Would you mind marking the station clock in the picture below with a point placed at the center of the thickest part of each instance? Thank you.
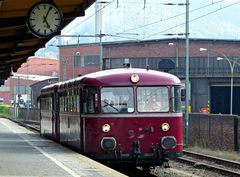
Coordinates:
(44, 19)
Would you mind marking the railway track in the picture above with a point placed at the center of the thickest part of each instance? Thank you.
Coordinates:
(135, 172)
(218, 165)
(32, 126)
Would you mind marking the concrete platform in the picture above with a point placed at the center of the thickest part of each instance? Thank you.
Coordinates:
(25, 153)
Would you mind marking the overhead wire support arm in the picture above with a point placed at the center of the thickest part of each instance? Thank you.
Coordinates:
(78, 35)
(173, 4)
(173, 34)
(86, 35)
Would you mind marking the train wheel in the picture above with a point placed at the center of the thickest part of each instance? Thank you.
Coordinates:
(146, 169)
(166, 164)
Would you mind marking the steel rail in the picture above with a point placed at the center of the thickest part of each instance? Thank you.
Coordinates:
(217, 160)
(204, 165)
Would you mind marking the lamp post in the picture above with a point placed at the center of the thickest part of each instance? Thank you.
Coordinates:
(75, 58)
(232, 64)
(64, 63)
(208, 57)
(173, 44)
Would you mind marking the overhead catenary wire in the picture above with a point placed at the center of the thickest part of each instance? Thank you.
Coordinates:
(166, 30)
(194, 19)
(169, 18)
(172, 17)
(149, 24)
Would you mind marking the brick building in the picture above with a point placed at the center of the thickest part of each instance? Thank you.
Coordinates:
(34, 70)
(209, 77)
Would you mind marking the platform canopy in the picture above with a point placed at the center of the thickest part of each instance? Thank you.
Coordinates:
(17, 43)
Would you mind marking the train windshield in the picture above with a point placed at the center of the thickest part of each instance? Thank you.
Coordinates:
(117, 100)
(152, 99)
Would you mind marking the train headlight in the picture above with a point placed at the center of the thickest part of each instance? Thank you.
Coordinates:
(168, 142)
(108, 143)
(106, 128)
(134, 78)
(165, 127)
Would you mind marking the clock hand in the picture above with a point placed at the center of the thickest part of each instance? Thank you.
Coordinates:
(48, 11)
(48, 26)
(45, 18)
(45, 21)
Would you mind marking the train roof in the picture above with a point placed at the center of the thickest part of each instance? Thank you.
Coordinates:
(122, 77)
(51, 87)
(117, 77)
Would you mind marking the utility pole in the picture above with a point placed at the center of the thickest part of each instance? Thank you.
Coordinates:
(59, 60)
(100, 51)
(98, 30)
(187, 74)
(28, 95)
(18, 95)
(98, 19)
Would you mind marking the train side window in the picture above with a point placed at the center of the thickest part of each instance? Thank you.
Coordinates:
(74, 103)
(42, 103)
(176, 100)
(46, 103)
(77, 100)
(65, 103)
(61, 103)
(90, 103)
(50, 104)
(78, 105)
(69, 101)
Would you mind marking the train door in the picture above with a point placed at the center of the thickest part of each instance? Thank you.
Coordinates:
(89, 108)
(55, 118)
(80, 101)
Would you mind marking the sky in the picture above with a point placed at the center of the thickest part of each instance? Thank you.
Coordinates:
(136, 20)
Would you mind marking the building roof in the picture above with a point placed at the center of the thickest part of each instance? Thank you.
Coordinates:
(150, 41)
(16, 41)
(39, 66)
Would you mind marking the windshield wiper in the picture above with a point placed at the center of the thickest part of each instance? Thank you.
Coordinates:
(107, 104)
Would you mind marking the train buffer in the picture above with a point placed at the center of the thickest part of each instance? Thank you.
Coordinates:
(25, 153)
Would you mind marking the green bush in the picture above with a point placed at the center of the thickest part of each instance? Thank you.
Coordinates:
(4, 110)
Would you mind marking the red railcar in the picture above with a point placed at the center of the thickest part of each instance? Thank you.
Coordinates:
(119, 116)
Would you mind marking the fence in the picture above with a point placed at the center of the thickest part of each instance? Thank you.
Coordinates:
(214, 131)
(27, 114)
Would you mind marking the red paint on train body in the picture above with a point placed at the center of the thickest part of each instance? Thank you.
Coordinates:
(127, 130)
(119, 116)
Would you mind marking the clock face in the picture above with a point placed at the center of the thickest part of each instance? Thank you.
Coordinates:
(44, 19)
